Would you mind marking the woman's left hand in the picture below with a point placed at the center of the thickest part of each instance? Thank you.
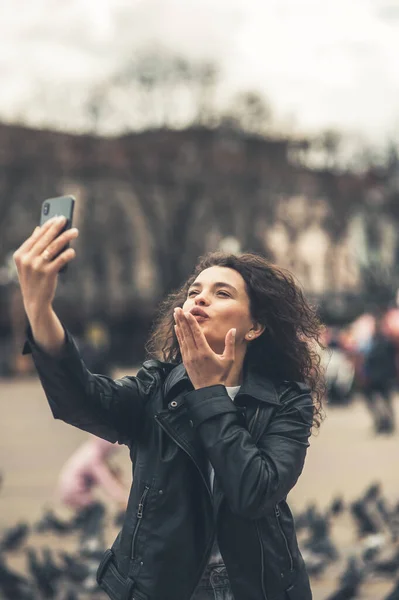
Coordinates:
(204, 367)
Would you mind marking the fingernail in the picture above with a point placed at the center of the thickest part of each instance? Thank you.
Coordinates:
(61, 219)
(233, 332)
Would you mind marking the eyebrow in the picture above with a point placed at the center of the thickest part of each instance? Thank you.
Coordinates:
(218, 284)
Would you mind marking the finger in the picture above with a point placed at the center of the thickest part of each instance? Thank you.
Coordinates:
(50, 222)
(47, 234)
(180, 342)
(185, 329)
(57, 263)
(197, 333)
(59, 244)
(180, 337)
(230, 345)
(27, 245)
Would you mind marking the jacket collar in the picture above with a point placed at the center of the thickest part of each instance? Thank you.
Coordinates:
(255, 384)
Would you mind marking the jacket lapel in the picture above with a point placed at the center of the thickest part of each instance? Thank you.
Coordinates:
(175, 422)
(174, 419)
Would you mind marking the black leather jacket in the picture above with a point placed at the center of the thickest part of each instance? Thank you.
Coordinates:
(257, 446)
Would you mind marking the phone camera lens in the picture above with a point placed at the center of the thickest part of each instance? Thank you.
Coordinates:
(46, 208)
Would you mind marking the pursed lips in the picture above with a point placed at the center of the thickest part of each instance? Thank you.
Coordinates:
(198, 312)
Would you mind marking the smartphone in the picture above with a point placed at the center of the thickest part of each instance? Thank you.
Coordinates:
(56, 207)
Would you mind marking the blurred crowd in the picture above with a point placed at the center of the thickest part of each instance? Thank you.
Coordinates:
(363, 357)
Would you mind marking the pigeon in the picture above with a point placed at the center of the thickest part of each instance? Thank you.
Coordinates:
(383, 510)
(365, 522)
(369, 554)
(53, 571)
(337, 506)
(44, 579)
(315, 564)
(12, 585)
(350, 581)
(14, 537)
(389, 518)
(372, 492)
(388, 566)
(303, 520)
(90, 522)
(50, 522)
(90, 519)
(75, 570)
(320, 541)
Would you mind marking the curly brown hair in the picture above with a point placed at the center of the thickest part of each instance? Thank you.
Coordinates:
(288, 349)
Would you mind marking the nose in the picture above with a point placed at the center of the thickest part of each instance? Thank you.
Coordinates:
(201, 299)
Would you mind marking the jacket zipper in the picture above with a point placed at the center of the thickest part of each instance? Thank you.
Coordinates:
(209, 549)
(262, 558)
(277, 513)
(139, 515)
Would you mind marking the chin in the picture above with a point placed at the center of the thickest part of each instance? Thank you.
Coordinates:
(217, 345)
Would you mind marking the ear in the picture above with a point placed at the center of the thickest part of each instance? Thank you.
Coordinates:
(256, 330)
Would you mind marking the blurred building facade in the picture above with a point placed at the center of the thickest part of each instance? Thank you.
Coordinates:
(148, 204)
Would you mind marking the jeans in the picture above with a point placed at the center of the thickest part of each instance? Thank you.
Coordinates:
(214, 585)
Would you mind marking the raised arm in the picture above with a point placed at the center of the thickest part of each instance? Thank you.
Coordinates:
(113, 410)
(38, 266)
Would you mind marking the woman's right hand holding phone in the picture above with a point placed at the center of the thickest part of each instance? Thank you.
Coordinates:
(38, 266)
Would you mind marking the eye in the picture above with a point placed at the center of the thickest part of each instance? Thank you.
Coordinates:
(191, 292)
(225, 294)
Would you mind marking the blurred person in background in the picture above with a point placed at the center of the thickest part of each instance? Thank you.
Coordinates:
(339, 369)
(218, 430)
(380, 374)
(355, 339)
(87, 470)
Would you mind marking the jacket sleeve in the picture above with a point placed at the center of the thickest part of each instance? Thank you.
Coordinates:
(253, 476)
(110, 409)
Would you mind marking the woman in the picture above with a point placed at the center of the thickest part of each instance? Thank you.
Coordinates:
(217, 431)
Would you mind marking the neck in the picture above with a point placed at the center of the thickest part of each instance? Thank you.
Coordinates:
(236, 375)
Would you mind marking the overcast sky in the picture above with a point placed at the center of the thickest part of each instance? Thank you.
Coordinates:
(321, 63)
